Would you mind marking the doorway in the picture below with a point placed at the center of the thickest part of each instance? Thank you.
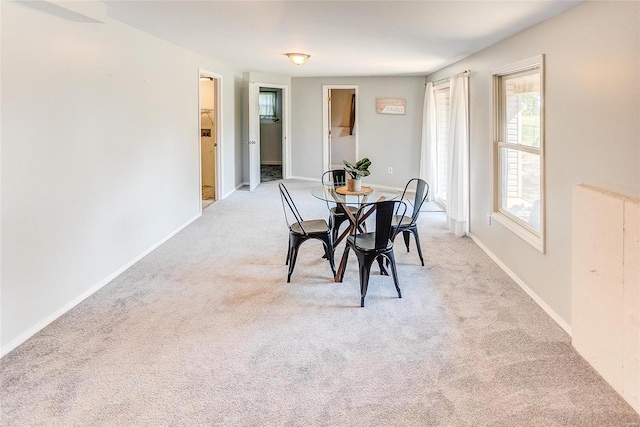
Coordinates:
(340, 136)
(270, 134)
(268, 112)
(209, 136)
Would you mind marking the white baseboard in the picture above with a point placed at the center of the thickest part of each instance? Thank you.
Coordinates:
(77, 300)
(564, 325)
(304, 178)
(387, 187)
(378, 186)
(271, 162)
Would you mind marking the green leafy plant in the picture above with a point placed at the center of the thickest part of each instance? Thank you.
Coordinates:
(360, 169)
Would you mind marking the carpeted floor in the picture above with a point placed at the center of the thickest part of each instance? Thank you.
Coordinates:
(206, 331)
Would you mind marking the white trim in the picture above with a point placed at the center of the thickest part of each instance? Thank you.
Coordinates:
(77, 300)
(519, 230)
(564, 325)
(376, 186)
(230, 192)
(304, 178)
(514, 67)
(388, 187)
(441, 84)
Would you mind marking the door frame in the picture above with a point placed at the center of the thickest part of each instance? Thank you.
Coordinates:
(286, 123)
(218, 136)
(326, 122)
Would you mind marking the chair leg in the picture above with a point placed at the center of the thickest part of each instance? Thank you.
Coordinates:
(292, 263)
(345, 257)
(328, 252)
(335, 230)
(383, 271)
(364, 263)
(394, 272)
(295, 244)
(331, 227)
(405, 235)
(288, 252)
(415, 234)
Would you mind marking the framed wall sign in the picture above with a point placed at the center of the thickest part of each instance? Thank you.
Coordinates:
(390, 105)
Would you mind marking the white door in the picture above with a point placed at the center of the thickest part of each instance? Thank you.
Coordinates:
(254, 136)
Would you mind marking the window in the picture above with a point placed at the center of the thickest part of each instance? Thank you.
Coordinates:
(519, 145)
(442, 95)
(267, 101)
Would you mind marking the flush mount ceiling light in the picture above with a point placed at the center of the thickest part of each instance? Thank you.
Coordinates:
(298, 58)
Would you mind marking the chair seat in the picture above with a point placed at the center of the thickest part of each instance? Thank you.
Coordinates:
(367, 242)
(314, 226)
(400, 220)
(337, 211)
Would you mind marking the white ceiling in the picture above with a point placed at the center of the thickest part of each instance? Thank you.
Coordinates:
(344, 38)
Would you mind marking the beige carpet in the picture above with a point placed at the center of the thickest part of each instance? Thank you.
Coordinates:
(206, 331)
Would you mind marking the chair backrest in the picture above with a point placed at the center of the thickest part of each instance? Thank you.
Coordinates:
(384, 212)
(336, 177)
(289, 208)
(421, 190)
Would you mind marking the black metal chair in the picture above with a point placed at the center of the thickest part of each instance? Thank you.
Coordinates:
(337, 216)
(300, 231)
(406, 224)
(369, 246)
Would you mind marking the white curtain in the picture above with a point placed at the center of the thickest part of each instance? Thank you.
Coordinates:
(267, 101)
(458, 171)
(428, 151)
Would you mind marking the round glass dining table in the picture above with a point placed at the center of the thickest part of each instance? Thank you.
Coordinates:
(342, 196)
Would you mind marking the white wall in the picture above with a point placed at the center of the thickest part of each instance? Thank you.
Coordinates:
(100, 156)
(270, 142)
(592, 131)
(388, 140)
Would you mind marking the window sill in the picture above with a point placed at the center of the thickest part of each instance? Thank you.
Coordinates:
(526, 235)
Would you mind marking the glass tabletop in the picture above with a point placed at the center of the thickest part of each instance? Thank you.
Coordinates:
(341, 195)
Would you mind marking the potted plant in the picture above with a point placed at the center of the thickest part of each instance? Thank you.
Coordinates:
(356, 172)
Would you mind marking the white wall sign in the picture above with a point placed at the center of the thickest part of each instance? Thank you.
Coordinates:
(390, 105)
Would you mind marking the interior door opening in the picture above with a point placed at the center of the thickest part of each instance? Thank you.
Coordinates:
(271, 165)
(208, 138)
(267, 144)
(340, 139)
